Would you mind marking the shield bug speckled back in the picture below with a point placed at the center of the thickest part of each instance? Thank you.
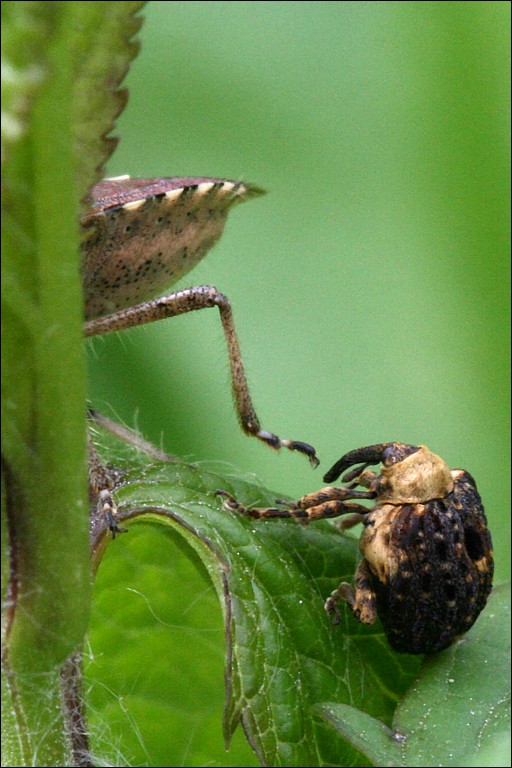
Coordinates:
(140, 237)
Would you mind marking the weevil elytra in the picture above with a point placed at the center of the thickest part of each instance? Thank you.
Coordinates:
(427, 562)
(140, 237)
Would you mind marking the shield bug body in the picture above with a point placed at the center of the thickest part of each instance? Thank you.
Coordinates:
(142, 235)
(427, 560)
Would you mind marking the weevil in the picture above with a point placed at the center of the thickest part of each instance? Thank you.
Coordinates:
(140, 237)
(427, 561)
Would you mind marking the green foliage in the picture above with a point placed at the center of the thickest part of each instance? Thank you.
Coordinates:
(284, 659)
(455, 709)
(102, 40)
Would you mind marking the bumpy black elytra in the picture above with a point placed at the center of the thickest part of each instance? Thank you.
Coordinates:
(427, 562)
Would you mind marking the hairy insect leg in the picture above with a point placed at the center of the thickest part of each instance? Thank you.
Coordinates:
(101, 485)
(334, 506)
(361, 599)
(349, 522)
(190, 300)
(332, 502)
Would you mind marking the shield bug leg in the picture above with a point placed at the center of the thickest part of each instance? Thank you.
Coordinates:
(190, 300)
(101, 478)
(140, 237)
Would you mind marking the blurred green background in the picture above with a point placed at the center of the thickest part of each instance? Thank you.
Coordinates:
(370, 286)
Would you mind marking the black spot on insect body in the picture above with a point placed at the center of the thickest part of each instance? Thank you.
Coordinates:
(474, 543)
(441, 548)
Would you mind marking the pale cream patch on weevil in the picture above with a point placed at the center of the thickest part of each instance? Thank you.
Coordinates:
(374, 542)
(482, 565)
(124, 177)
(417, 478)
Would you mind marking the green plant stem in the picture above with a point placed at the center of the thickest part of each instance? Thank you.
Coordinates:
(45, 447)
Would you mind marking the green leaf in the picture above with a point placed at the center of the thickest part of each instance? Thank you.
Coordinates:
(102, 39)
(457, 706)
(283, 655)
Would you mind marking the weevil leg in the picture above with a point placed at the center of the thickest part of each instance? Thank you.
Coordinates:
(361, 599)
(333, 493)
(102, 479)
(230, 504)
(343, 594)
(101, 485)
(190, 300)
(322, 511)
(349, 522)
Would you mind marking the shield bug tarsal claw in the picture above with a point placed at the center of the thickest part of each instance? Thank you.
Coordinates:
(427, 562)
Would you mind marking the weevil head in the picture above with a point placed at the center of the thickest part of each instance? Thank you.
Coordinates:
(412, 475)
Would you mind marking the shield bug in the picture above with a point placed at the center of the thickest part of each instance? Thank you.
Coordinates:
(427, 562)
(141, 236)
